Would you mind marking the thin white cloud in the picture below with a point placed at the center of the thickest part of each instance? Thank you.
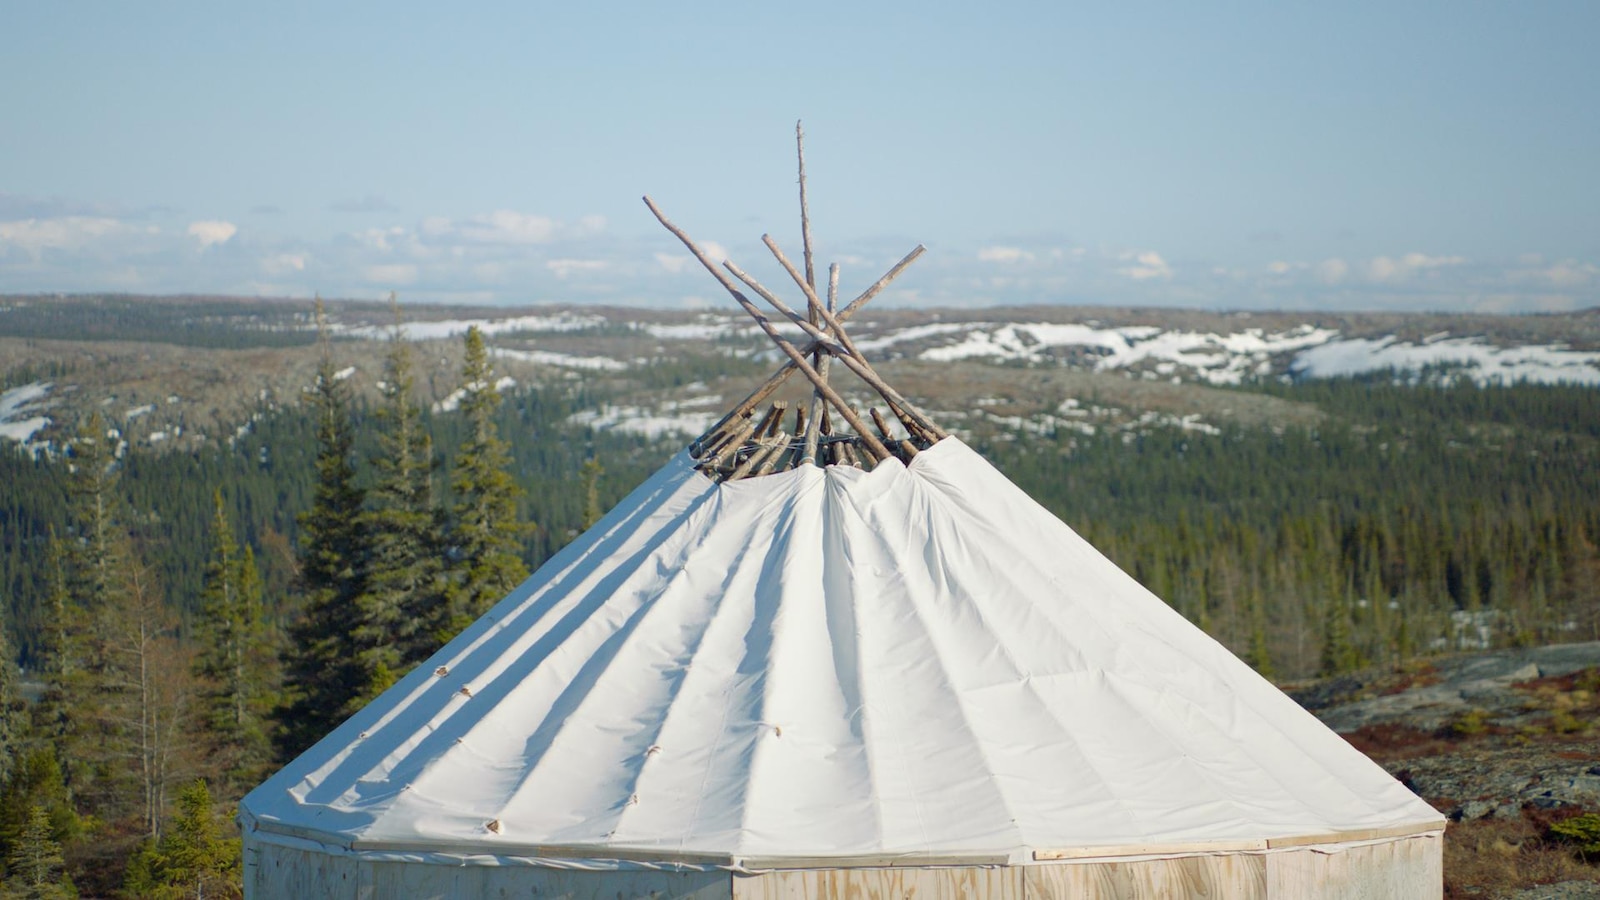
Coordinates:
(1570, 273)
(565, 267)
(1004, 254)
(504, 226)
(1384, 268)
(64, 233)
(1146, 265)
(284, 263)
(1332, 271)
(212, 232)
(674, 262)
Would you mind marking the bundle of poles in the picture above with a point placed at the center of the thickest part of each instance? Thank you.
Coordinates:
(742, 445)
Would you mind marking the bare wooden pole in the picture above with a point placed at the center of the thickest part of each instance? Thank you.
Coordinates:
(906, 447)
(776, 460)
(805, 211)
(809, 455)
(730, 447)
(773, 412)
(852, 357)
(777, 379)
(795, 356)
(765, 448)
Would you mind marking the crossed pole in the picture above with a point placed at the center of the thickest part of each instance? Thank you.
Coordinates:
(823, 323)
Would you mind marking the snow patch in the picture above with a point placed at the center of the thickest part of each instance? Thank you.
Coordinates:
(1477, 358)
(565, 360)
(694, 331)
(1214, 358)
(17, 408)
(445, 328)
(670, 419)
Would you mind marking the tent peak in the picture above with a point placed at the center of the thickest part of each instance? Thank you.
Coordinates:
(741, 445)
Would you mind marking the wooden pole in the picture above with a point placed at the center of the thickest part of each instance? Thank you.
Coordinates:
(809, 455)
(776, 460)
(805, 212)
(850, 356)
(906, 447)
(897, 403)
(773, 412)
(872, 444)
(730, 446)
(777, 379)
(764, 448)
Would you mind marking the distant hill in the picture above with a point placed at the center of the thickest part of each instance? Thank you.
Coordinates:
(183, 371)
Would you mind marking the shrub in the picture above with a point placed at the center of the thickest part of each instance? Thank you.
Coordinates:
(1584, 831)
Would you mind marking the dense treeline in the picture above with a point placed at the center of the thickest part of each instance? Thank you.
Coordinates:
(1413, 519)
(190, 322)
(205, 616)
(191, 621)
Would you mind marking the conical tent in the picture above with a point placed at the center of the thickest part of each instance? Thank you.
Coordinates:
(779, 678)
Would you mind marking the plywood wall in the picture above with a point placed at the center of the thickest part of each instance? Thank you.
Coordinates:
(1408, 868)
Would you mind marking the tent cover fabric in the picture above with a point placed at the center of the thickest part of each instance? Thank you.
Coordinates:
(913, 663)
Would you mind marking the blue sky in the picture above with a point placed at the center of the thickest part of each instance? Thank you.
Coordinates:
(1283, 155)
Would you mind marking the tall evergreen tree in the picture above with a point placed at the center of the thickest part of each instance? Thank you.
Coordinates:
(591, 492)
(85, 679)
(324, 673)
(13, 714)
(192, 858)
(234, 658)
(404, 579)
(487, 536)
(36, 782)
(35, 862)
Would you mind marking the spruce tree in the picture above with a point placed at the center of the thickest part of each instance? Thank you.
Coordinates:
(86, 678)
(1339, 654)
(234, 657)
(191, 859)
(35, 862)
(404, 579)
(324, 675)
(13, 713)
(36, 782)
(487, 536)
(591, 492)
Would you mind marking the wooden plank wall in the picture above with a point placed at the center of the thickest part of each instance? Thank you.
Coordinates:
(282, 873)
(1411, 868)
(1189, 877)
(882, 884)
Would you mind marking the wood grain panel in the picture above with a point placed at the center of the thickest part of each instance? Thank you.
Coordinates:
(1412, 868)
(1191, 878)
(996, 883)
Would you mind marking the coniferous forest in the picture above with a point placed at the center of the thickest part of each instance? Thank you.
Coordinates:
(182, 623)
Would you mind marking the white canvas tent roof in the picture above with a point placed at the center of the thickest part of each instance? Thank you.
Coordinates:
(916, 663)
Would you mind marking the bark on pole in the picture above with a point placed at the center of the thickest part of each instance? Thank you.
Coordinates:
(876, 448)
(805, 212)
(785, 371)
(813, 431)
(902, 408)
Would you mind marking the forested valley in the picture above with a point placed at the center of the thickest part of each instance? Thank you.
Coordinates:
(179, 624)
